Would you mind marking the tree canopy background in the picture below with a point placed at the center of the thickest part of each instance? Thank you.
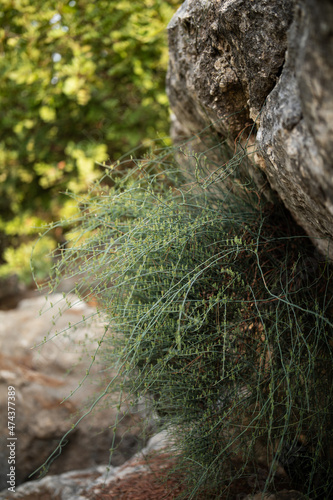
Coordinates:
(81, 82)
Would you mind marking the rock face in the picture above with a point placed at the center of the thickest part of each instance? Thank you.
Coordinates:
(225, 57)
(296, 126)
(236, 62)
(43, 377)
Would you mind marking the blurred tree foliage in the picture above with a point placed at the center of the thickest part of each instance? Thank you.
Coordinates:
(81, 81)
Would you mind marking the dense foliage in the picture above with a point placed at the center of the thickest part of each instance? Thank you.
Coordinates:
(220, 314)
(81, 81)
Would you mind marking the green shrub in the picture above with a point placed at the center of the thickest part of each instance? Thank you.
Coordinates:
(220, 313)
(80, 81)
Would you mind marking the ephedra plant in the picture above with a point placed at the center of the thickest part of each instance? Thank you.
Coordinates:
(219, 313)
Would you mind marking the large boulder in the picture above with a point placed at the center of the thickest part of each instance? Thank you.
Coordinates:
(264, 66)
(44, 376)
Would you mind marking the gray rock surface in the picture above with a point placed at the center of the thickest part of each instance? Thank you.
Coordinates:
(296, 125)
(233, 59)
(225, 57)
(44, 376)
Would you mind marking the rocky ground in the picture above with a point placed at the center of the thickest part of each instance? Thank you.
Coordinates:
(43, 376)
(147, 476)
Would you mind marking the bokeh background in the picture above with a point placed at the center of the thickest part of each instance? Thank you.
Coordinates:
(82, 84)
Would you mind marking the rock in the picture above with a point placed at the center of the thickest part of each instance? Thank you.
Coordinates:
(146, 476)
(225, 57)
(43, 377)
(296, 125)
(264, 66)
(10, 290)
(138, 474)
